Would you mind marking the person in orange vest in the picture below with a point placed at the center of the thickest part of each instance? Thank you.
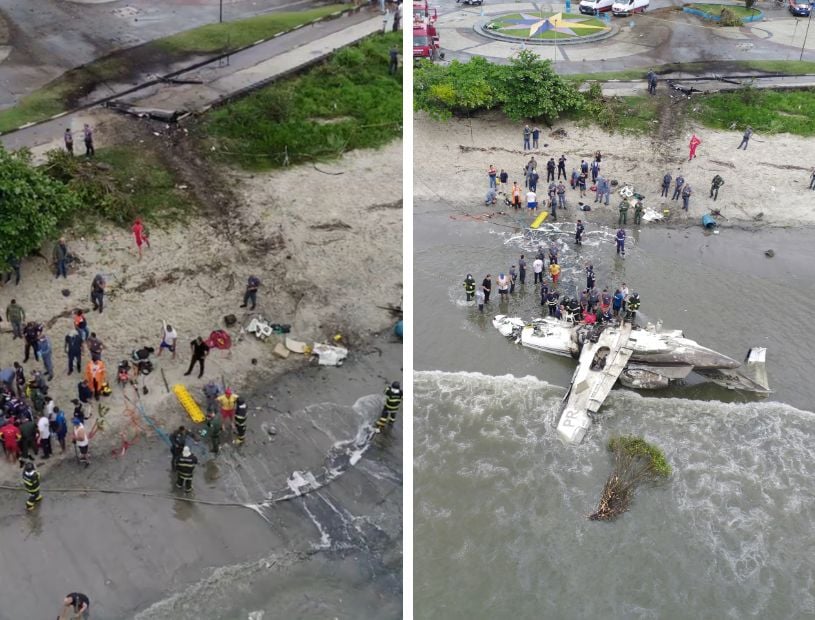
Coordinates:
(97, 376)
(228, 402)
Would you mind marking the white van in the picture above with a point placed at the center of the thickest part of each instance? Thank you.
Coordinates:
(627, 7)
(593, 7)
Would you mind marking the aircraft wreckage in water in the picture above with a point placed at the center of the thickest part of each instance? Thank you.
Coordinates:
(640, 357)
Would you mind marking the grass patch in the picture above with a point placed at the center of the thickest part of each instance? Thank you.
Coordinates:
(582, 28)
(715, 9)
(64, 92)
(120, 184)
(214, 38)
(617, 114)
(766, 111)
(349, 102)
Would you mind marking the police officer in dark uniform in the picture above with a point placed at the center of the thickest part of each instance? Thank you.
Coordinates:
(632, 306)
(469, 287)
(184, 467)
(575, 310)
(241, 411)
(590, 279)
(393, 400)
(551, 302)
(578, 232)
(544, 294)
(31, 483)
(178, 441)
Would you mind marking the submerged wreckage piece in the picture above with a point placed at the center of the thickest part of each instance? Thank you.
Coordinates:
(640, 357)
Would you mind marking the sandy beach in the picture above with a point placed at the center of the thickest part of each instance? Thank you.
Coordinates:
(324, 240)
(765, 185)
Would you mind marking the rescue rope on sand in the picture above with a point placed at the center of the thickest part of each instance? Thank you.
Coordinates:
(189, 404)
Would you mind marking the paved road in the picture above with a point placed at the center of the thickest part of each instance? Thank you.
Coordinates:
(253, 66)
(48, 37)
(660, 36)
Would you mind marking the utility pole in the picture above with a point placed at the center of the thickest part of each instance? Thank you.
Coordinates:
(806, 34)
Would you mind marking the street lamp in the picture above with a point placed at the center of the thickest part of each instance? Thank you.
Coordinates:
(806, 34)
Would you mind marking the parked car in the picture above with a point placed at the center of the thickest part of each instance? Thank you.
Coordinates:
(628, 7)
(593, 7)
(798, 8)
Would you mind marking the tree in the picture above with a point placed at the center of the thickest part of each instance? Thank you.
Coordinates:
(531, 89)
(32, 205)
(635, 462)
(456, 89)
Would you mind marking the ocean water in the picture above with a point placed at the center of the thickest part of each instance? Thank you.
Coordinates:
(501, 505)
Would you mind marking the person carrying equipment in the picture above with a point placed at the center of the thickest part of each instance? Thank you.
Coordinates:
(241, 413)
(393, 400)
(31, 483)
(184, 469)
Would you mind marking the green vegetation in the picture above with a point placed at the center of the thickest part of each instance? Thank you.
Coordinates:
(528, 87)
(62, 93)
(218, 38)
(32, 205)
(623, 114)
(349, 102)
(582, 28)
(766, 111)
(119, 184)
(716, 9)
(635, 462)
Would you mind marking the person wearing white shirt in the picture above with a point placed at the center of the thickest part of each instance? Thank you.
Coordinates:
(44, 431)
(537, 268)
(532, 200)
(168, 339)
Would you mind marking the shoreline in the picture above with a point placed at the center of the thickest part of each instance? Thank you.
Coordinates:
(463, 149)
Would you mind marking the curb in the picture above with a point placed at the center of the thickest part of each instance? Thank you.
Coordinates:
(480, 28)
(192, 67)
(716, 18)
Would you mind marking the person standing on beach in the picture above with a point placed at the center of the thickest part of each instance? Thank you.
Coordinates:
(214, 427)
(532, 180)
(69, 141)
(31, 484)
(513, 277)
(718, 181)
(95, 347)
(623, 213)
(516, 195)
(88, 132)
(561, 167)
(531, 200)
(527, 134)
(503, 177)
(554, 272)
(140, 234)
(694, 144)
(96, 376)
(168, 339)
(745, 139)
(666, 184)
(185, 468)
(227, 403)
(522, 269)
(200, 350)
(15, 314)
(595, 171)
(492, 174)
(44, 435)
(680, 181)
(536, 134)
(46, 352)
(98, 292)
(241, 414)
(479, 299)
(31, 335)
(550, 170)
(561, 196)
(578, 232)
(81, 441)
(686, 192)
(60, 257)
(581, 184)
(251, 293)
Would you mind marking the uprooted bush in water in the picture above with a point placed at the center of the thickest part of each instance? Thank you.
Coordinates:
(636, 462)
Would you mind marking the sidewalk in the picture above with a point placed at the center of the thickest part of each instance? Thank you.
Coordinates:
(240, 72)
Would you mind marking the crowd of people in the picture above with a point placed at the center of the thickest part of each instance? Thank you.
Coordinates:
(592, 305)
